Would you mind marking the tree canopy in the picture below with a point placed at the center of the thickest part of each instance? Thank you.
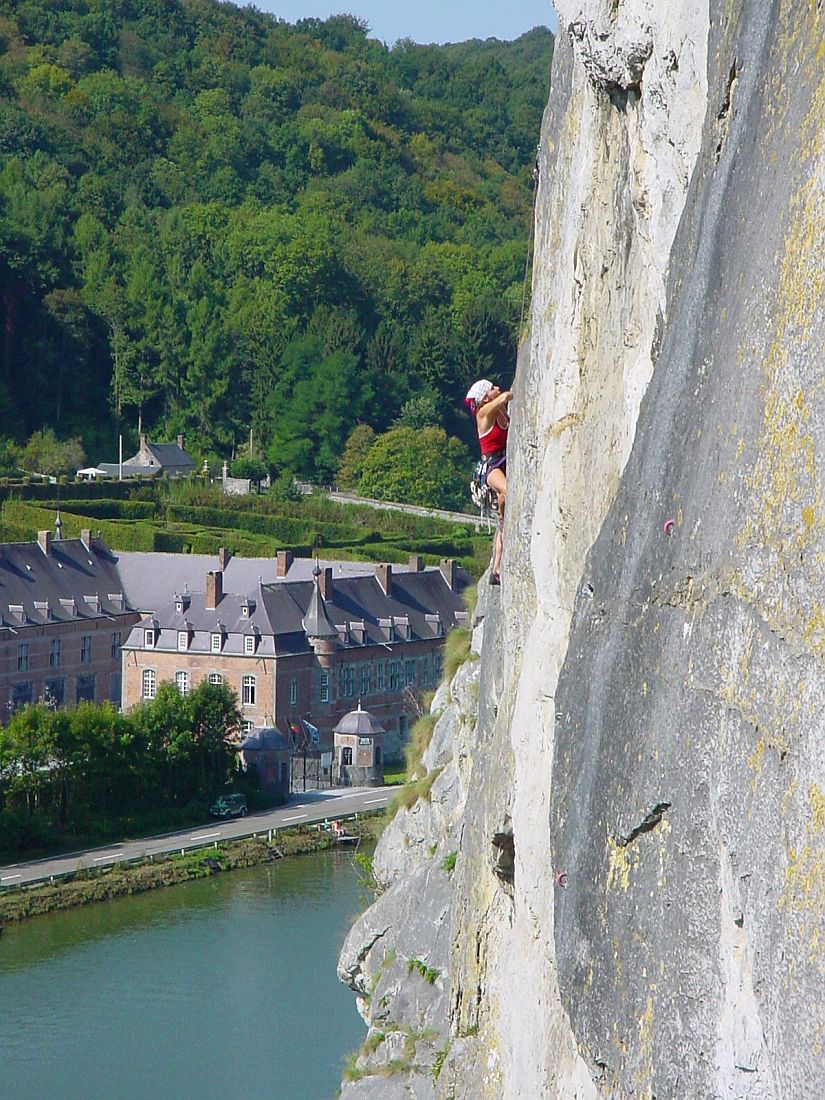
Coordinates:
(216, 221)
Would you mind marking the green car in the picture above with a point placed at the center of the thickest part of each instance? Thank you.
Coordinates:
(229, 805)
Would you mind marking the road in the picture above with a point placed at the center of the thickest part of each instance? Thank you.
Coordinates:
(475, 519)
(302, 809)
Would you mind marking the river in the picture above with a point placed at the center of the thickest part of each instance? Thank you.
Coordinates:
(223, 987)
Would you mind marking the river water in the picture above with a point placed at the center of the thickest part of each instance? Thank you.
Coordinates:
(224, 988)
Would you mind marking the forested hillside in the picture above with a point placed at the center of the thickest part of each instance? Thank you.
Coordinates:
(223, 223)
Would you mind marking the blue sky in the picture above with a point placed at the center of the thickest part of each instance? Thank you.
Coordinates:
(426, 20)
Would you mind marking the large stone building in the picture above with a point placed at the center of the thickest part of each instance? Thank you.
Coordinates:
(303, 649)
(63, 617)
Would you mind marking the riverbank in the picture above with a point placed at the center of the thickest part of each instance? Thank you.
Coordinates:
(87, 886)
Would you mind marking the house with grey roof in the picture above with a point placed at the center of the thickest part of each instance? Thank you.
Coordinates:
(304, 648)
(63, 617)
(151, 460)
(151, 578)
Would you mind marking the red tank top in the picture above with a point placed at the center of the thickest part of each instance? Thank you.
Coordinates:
(493, 441)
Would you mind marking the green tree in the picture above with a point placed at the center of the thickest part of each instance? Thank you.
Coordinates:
(351, 466)
(45, 454)
(253, 468)
(216, 723)
(420, 411)
(423, 467)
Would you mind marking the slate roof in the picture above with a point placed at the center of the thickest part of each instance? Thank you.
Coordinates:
(268, 740)
(71, 582)
(171, 456)
(151, 579)
(421, 606)
(359, 722)
(316, 622)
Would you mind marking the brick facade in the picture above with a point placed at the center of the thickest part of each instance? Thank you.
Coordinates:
(382, 643)
(63, 619)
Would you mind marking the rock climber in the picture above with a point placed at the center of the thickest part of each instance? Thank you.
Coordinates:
(488, 404)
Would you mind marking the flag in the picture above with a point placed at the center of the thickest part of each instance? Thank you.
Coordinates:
(294, 733)
(314, 733)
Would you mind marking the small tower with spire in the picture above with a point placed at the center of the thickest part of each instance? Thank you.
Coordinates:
(320, 630)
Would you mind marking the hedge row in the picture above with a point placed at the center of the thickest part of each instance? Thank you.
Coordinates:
(283, 530)
(111, 509)
(117, 534)
(79, 490)
(316, 508)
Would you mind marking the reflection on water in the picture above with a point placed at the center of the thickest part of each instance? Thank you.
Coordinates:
(221, 987)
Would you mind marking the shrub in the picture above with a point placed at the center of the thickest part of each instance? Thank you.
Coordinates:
(429, 975)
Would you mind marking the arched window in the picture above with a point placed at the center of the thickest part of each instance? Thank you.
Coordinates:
(150, 683)
(346, 756)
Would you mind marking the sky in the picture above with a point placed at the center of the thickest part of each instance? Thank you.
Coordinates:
(426, 20)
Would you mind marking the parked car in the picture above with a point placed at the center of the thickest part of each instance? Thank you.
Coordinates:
(229, 805)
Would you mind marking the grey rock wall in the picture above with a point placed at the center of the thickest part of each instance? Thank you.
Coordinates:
(637, 794)
(689, 764)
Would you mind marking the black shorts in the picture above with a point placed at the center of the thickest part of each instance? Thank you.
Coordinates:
(488, 463)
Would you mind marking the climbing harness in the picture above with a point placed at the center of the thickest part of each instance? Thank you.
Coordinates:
(484, 498)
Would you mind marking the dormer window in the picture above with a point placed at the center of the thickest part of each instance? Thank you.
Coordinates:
(149, 638)
(402, 628)
(436, 625)
(249, 643)
(245, 610)
(217, 642)
(182, 603)
(183, 639)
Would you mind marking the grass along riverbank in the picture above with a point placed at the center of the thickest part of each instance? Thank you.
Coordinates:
(86, 886)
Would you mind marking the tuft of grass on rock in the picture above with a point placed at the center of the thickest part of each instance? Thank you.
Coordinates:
(411, 792)
(456, 650)
(419, 740)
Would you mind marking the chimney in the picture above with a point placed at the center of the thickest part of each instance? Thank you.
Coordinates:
(449, 572)
(384, 574)
(224, 554)
(180, 441)
(44, 541)
(325, 583)
(284, 561)
(86, 537)
(416, 563)
(214, 589)
(143, 441)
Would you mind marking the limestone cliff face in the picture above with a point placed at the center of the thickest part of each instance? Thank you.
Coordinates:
(651, 681)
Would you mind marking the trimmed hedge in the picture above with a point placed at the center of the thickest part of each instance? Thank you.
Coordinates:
(117, 534)
(111, 509)
(79, 490)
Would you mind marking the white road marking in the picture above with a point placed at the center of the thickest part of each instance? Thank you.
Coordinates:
(8, 878)
(111, 855)
(204, 836)
(372, 801)
(300, 818)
